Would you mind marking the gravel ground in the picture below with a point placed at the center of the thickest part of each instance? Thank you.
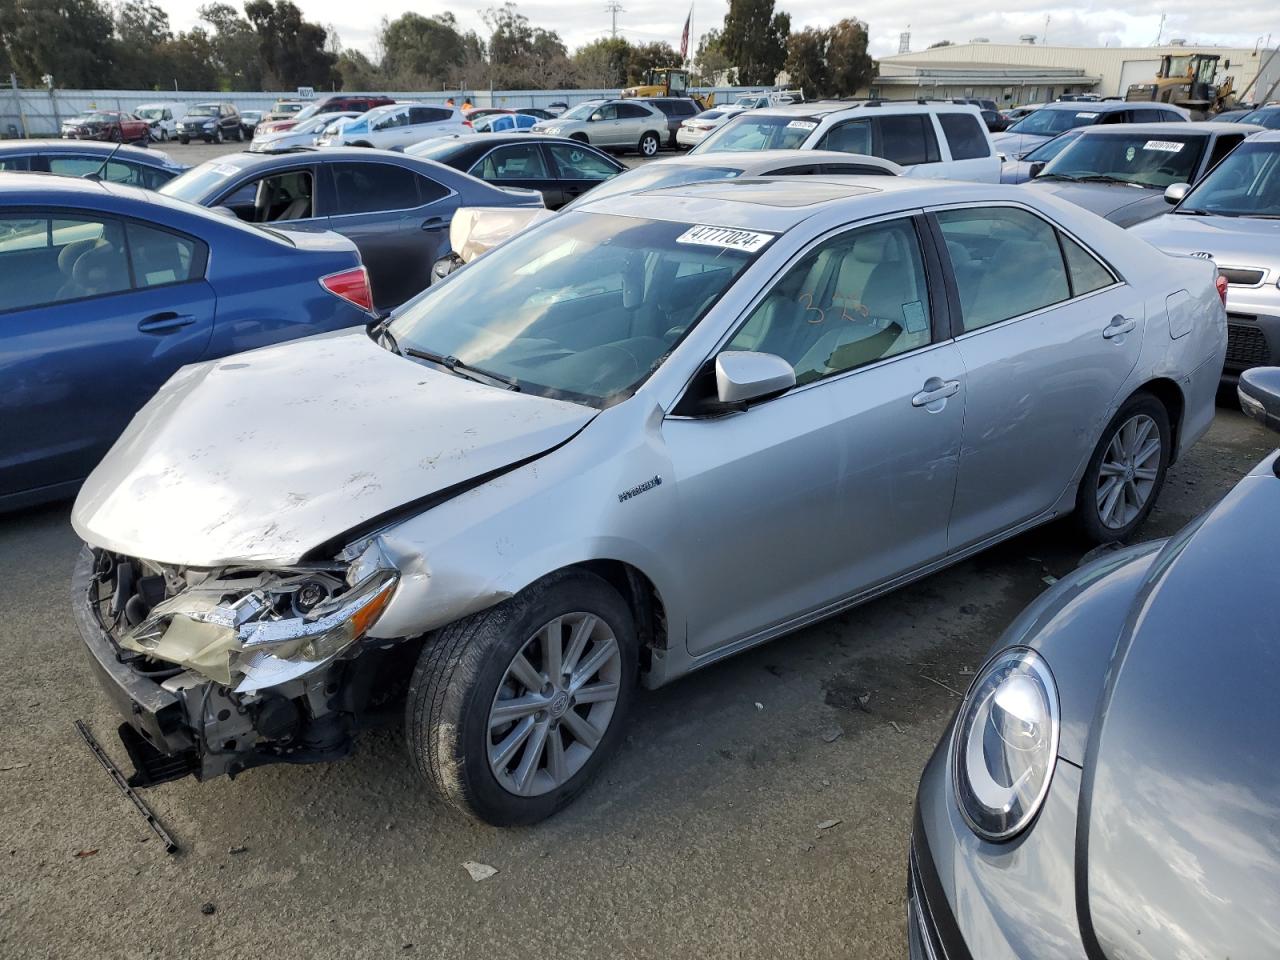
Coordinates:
(701, 839)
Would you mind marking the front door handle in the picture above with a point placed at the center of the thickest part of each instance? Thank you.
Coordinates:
(935, 389)
(165, 322)
(434, 223)
(1119, 326)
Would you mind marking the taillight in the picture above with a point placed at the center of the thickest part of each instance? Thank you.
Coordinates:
(1221, 284)
(352, 286)
(466, 123)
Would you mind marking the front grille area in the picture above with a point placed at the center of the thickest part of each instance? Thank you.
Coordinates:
(1242, 276)
(1246, 346)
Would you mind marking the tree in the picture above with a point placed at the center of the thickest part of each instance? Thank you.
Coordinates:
(292, 49)
(941, 43)
(851, 68)
(522, 56)
(71, 40)
(234, 48)
(603, 62)
(646, 56)
(711, 64)
(191, 60)
(755, 40)
(806, 64)
(142, 37)
(357, 72)
(418, 50)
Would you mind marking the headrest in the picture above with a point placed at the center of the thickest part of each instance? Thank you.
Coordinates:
(878, 247)
(73, 251)
(96, 267)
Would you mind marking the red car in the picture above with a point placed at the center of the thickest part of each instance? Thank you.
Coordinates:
(341, 103)
(107, 125)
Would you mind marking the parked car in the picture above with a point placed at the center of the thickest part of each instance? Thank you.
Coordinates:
(1015, 114)
(210, 122)
(1232, 217)
(134, 166)
(995, 121)
(1019, 171)
(338, 103)
(676, 110)
(394, 207)
(305, 133)
(1053, 118)
(929, 139)
(106, 291)
(503, 122)
(1121, 171)
(613, 124)
(163, 118)
(113, 125)
(1233, 116)
(557, 168)
(1107, 786)
(476, 230)
(249, 120)
(694, 130)
(562, 466)
(537, 113)
(399, 125)
(1268, 117)
(285, 108)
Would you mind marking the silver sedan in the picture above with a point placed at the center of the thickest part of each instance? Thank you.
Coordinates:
(641, 437)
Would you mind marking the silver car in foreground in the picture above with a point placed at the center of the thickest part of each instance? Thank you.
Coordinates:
(1233, 218)
(641, 437)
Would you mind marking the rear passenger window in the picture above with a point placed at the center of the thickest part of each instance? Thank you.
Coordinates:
(160, 258)
(44, 260)
(855, 299)
(629, 111)
(1006, 261)
(1087, 272)
(15, 163)
(371, 187)
(852, 136)
(965, 136)
(907, 139)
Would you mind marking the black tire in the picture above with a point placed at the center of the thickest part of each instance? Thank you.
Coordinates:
(459, 673)
(184, 140)
(580, 137)
(649, 145)
(239, 134)
(363, 143)
(1088, 516)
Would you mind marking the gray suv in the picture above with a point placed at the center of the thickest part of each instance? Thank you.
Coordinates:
(615, 124)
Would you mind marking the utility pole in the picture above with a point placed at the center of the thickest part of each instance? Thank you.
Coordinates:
(1045, 38)
(1159, 31)
(613, 8)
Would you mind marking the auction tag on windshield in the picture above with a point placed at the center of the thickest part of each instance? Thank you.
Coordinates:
(1164, 146)
(801, 125)
(727, 237)
(226, 169)
(1087, 114)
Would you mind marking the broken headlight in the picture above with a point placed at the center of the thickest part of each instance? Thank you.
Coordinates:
(260, 630)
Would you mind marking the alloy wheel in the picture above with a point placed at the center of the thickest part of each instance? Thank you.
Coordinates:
(1128, 471)
(554, 704)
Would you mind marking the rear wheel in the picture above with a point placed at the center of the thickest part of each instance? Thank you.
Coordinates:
(217, 134)
(184, 140)
(239, 134)
(512, 711)
(649, 144)
(1126, 472)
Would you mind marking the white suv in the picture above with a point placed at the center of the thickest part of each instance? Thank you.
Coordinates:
(397, 125)
(928, 139)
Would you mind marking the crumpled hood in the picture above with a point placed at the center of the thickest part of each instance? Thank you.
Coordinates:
(1230, 241)
(261, 456)
(1183, 802)
(1122, 205)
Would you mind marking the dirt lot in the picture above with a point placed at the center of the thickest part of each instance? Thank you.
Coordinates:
(701, 839)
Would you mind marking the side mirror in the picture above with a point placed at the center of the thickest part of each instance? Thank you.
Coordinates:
(743, 376)
(1174, 192)
(1259, 392)
(1036, 169)
(595, 116)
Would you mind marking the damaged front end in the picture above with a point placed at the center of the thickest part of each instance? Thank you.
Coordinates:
(219, 670)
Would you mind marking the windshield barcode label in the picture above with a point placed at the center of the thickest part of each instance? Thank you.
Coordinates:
(801, 125)
(726, 237)
(1166, 146)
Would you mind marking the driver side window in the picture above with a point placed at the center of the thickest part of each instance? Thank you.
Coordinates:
(854, 299)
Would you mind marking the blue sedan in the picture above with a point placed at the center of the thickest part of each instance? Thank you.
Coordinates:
(106, 290)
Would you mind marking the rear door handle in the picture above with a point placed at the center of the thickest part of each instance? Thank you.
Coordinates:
(935, 389)
(1119, 326)
(165, 322)
(434, 223)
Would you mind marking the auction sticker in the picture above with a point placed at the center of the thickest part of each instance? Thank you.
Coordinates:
(1164, 146)
(729, 238)
(226, 169)
(801, 125)
(1092, 113)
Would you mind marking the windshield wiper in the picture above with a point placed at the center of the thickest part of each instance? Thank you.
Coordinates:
(1107, 178)
(1056, 176)
(454, 365)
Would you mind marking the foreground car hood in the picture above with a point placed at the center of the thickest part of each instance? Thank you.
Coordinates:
(1231, 241)
(1183, 818)
(1120, 204)
(262, 456)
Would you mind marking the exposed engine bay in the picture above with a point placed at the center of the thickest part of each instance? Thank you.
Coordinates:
(253, 666)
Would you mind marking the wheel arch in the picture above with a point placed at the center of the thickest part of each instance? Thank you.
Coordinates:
(641, 595)
(1174, 402)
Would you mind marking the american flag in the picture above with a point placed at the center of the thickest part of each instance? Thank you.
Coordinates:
(684, 37)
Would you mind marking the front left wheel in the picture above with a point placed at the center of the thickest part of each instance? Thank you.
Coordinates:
(513, 710)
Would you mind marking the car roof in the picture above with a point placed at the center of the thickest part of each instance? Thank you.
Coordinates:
(43, 190)
(1172, 127)
(153, 158)
(771, 159)
(824, 108)
(1264, 136)
(776, 204)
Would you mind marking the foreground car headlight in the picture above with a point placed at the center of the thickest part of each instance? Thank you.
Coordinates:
(1005, 744)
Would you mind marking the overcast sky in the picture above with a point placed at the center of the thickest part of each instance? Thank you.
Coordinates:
(580, 21)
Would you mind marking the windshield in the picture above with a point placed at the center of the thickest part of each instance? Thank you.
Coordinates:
(1266, 117)
(1245, 184)
(307, 112)
(582, 111)
(281, 107)
(1048, 123)
(151, 113)
(583, 307)
(1051, 148)
(199, 182)
(101, 117)
(752, 131)
(654, 177)
(202, 110)
(1148, 160)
